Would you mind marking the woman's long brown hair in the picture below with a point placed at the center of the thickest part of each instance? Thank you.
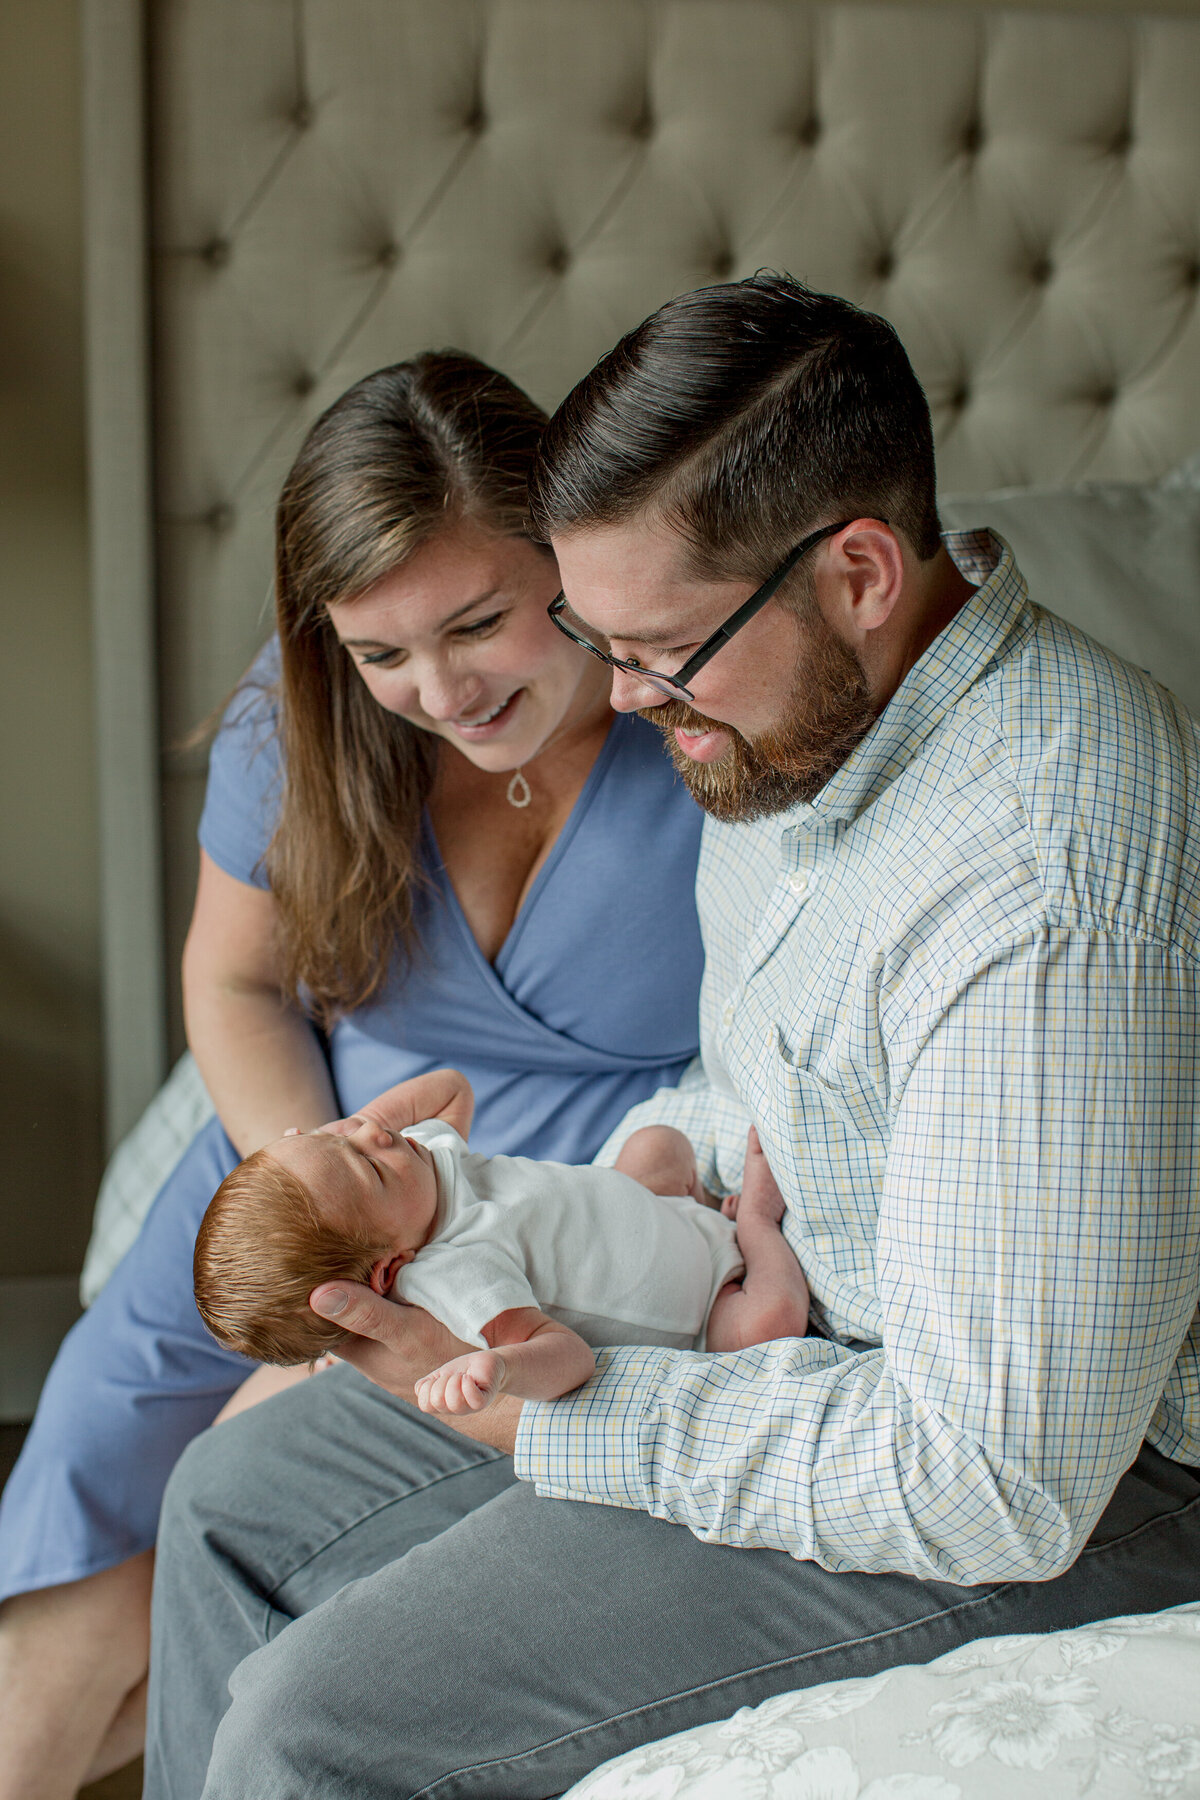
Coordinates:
(405, 453)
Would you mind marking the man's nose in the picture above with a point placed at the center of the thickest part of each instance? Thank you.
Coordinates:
(629, 694)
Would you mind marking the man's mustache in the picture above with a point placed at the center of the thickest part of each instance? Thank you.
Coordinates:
(677, 715)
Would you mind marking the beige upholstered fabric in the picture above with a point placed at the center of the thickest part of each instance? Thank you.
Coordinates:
(339, 183)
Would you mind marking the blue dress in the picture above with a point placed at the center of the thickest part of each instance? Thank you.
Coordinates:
(590, 1005)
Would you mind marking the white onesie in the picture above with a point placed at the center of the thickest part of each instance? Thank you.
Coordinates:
(589, 1246)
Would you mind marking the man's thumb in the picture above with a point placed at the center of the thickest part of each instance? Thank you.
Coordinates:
(354, 1307)
(329, 1301)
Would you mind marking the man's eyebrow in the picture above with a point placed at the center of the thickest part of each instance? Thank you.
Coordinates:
(450, 619)
(665, 639)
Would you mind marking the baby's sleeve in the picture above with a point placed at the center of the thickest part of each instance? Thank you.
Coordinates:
(464, 1285)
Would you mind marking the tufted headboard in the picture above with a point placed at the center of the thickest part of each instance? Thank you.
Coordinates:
(334, 184)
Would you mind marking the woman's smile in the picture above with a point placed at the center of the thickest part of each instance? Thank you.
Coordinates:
(480, 726)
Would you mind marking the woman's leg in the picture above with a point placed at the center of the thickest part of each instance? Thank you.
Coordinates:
(76, 1656)
(70, 1658)
(134, 1382)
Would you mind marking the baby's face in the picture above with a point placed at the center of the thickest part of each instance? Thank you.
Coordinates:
(371, 1176)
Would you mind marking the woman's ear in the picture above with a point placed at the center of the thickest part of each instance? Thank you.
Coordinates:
(385, 1271)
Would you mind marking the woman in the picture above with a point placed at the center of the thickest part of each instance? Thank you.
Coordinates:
(426, 840)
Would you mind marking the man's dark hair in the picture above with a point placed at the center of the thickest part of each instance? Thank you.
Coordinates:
(746, 415)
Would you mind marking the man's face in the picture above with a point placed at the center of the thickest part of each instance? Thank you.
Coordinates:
(777, 710)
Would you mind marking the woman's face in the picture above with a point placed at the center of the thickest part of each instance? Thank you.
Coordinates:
(457, 641)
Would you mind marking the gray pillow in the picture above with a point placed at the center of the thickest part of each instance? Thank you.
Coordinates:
(1118, 559)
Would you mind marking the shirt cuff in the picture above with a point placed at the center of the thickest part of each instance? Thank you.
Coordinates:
(589, 1445)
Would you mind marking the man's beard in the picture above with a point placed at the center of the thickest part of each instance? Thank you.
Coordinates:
(829, 711)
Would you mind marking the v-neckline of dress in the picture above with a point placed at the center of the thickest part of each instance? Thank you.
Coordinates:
(570, 827)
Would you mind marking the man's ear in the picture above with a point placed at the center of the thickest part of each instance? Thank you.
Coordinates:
(869, 562)
(384, 1274)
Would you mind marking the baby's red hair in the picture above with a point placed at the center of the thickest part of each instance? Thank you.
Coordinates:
(262, 1248)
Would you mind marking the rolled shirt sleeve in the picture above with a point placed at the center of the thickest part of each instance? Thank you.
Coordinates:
(1037, 1251)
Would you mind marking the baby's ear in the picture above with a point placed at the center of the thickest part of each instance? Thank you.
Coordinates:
(384, 1273)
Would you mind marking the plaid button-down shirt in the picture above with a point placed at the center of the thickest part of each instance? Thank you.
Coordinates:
(958, 997)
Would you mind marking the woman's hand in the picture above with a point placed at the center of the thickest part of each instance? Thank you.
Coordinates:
(395, 1346)
(438, 1094)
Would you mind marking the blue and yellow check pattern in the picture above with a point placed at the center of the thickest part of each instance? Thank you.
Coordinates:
(958, 996)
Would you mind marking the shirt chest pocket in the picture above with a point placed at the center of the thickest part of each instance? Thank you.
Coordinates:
(825, 1139)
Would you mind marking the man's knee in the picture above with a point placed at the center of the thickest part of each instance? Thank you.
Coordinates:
(293, 1723)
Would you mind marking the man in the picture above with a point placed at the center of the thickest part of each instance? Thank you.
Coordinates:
(952, 921)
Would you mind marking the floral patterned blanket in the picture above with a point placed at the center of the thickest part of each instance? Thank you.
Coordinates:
(1110, 1711)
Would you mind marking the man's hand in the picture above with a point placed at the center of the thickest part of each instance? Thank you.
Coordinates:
(468, 1384)
(395, 1346)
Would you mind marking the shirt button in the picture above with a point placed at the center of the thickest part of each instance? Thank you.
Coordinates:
(727, 1015)
(798, 882)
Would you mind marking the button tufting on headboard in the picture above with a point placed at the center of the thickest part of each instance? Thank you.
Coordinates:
(1018, 191)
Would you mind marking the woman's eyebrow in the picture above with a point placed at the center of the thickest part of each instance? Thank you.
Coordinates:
(450, 619)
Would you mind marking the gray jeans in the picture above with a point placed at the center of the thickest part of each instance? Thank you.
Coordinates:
(395, 1616)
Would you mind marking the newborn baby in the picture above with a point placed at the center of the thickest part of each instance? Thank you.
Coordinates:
(533, 1262)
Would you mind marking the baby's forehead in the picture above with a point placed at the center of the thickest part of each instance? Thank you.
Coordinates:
(314, 1156)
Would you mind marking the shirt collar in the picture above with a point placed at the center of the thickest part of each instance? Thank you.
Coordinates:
(933, 685)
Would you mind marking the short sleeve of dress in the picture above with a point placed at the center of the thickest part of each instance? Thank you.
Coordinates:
(241, 802)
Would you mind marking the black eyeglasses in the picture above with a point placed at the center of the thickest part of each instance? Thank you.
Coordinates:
(675, 687)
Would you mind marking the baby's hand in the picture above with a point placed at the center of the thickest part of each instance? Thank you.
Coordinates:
(663, 1160)
(468, 1384)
